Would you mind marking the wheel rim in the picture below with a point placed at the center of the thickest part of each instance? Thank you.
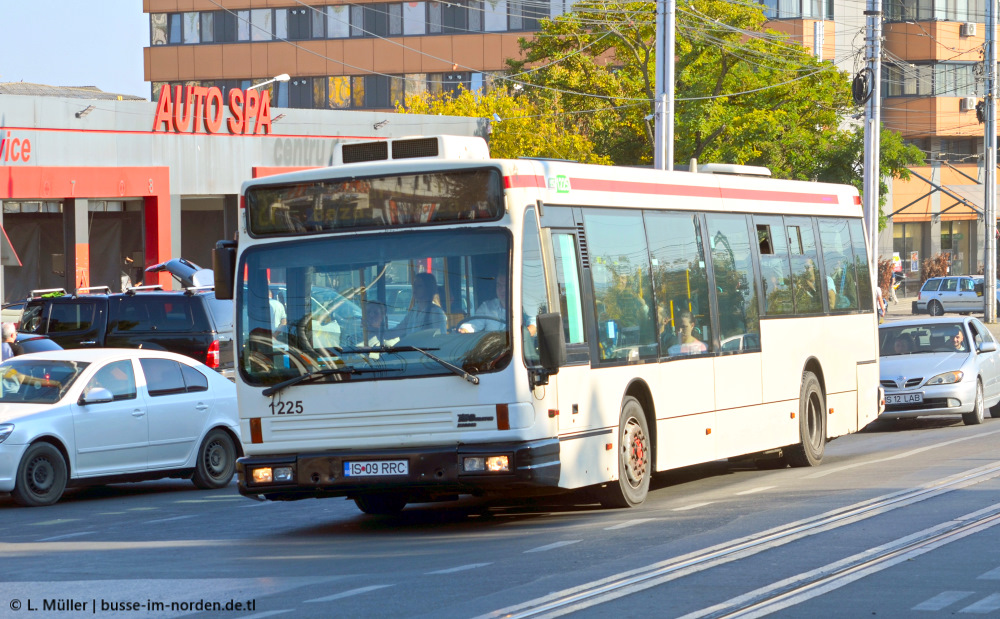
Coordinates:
(216, 459)
(936, 309)
(980, 404)
(635, 453)
(40, 476)
(814, 420)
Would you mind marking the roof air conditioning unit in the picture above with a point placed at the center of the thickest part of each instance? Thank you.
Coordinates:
(968, 29)
(436, 147)
(967, 104)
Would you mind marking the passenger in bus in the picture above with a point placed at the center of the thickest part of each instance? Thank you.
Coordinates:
(687, 343)
(278, 315)
(424, 314)
(668, 333)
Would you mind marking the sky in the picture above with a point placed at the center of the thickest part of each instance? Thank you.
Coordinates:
(75, 43)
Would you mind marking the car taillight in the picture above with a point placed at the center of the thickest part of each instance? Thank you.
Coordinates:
(212, 355)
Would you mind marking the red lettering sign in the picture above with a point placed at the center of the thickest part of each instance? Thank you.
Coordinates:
(14, 149)
(192, 108)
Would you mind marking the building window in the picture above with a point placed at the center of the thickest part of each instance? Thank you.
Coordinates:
(176, 30)
(157, 28)
(226, 26)
(495, 16)
(339, 92)
(243, 25)
(261, 24)
(207, 27)
(414, 18)
(942, 79)
(943, 10)
(317, 19)
(192, 28)
(338, 22)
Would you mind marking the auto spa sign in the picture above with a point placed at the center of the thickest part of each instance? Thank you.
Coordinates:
(192, 109)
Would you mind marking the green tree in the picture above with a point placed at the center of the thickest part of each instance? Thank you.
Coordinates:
(525, 129)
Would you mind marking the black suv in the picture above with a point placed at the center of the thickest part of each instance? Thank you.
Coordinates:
(191, 322)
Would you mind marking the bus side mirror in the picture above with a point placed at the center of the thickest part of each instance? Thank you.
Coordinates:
(224, 266)
(551, 345)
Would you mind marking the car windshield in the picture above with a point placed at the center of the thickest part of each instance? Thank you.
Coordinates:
(372, 306)
(37, 381)
(940, 337)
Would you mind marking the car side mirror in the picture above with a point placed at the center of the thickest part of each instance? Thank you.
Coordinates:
(97, 395)
(987, 347)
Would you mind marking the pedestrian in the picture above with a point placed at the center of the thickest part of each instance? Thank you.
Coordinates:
(9, 335)
(879, 303)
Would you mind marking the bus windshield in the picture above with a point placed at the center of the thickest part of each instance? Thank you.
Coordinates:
(376, 306)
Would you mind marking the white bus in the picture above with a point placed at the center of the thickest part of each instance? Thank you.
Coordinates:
(423, 326)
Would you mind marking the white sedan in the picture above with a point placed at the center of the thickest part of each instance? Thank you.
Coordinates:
(95, 416)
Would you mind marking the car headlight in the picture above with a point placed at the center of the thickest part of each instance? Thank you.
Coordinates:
(946, 379)
(5, 430)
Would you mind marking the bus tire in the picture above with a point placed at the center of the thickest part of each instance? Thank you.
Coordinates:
(635, 467)
(41, 476)
(380, 504)
(812, 424)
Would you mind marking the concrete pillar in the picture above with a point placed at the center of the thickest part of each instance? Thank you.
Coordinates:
(175, 238)
(932, 234)
(76, 244)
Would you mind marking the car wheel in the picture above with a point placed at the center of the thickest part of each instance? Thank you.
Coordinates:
(216, 460)
(635, 467)
(380, 504)
(934, 309)
(812, 424)
(976, 416)
(41, 476)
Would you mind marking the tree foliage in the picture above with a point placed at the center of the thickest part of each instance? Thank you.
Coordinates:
(743, 94)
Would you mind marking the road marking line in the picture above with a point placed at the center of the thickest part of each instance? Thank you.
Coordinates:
(158, 520)
(338, 596)
(905, 454)
(553, 546)
(692, 506)
(269, 613)
(942, 600)
(57, 521)
(754, 490)
(988, 604)
(460, 568)
(990, 575)
(67, 536)
(143, 509)
(627, 523)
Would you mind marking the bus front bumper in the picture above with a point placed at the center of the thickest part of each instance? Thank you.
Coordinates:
(429, 471)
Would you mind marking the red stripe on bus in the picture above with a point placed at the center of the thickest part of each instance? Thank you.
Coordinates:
(513, 182)
(589, 184)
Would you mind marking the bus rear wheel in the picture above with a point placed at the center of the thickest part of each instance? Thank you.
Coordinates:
(635, 466)
(812, 424)
(380, 504)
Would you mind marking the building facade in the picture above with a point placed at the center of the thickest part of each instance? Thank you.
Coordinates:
(95, 190)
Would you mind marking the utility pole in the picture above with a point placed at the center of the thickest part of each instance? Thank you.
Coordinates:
(873, 127)
(990, 167)
(663, 141)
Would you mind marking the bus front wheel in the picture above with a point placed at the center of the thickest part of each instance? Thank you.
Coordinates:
(812, 424)
(635, 465)
(380, 504)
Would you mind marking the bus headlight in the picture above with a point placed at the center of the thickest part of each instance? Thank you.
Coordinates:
(267, 475)
(482, 464)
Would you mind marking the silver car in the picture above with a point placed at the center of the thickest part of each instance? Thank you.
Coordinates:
(939, 366)
(955, 293)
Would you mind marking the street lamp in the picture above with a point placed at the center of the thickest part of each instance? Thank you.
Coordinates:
(277, 78)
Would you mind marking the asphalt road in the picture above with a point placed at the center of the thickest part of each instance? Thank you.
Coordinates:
(876, 530)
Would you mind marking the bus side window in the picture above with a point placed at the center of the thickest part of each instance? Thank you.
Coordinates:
(533, 300)
(730, 248)
(568, 281)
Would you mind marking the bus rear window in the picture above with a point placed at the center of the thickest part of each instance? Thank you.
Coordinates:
(375, 202)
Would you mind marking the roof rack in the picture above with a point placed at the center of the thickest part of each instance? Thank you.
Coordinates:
(91, 289)
(134, 289)
(190, 290)
(46, 292)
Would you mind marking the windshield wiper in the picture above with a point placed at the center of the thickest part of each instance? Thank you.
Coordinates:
(301, 378)
(454, 369)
